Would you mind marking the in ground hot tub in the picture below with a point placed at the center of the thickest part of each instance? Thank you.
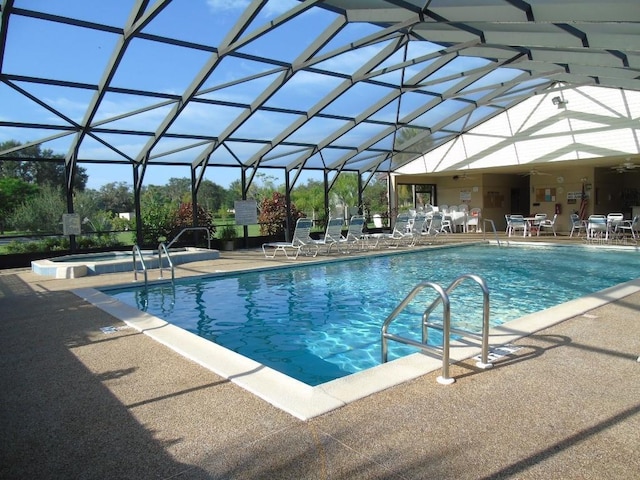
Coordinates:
(80, 265)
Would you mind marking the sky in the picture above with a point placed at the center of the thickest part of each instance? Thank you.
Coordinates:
(37, 47)
(47, 49)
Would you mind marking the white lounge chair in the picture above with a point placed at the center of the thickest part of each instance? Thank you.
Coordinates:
(613, 220)
(301, 241)
(432, 226)
(402, 231)
(332, 233)
(354, 236)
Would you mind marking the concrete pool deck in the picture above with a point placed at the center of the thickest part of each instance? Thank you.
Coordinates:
(78, 402)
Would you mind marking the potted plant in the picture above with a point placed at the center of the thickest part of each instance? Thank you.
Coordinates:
(227, 235)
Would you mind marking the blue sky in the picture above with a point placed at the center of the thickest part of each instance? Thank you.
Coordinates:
(40, 48)
(47, 49)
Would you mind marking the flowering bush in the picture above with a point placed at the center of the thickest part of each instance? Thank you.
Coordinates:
(161, 220)
(273, 215)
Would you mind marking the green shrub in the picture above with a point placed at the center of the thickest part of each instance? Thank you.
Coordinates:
(57, 244)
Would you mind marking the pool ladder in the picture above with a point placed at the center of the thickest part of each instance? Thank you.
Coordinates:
(488, 221)
(137, 255)
(443, 298)
(163, 248)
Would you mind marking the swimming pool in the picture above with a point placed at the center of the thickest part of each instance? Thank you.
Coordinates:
(320, 322)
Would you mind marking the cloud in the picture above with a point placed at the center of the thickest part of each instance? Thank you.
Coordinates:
(272, 9)
(217, 5)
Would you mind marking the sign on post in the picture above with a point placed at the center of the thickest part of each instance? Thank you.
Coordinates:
(71, 224)
(246, 212)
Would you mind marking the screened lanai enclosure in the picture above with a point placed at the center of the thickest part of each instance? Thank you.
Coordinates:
(367, 87)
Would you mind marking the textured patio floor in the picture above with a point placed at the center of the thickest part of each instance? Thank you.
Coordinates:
(78, 403)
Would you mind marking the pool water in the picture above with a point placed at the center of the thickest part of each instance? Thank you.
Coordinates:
(320, 322)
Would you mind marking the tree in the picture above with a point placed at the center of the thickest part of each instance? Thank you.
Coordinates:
(375, 196)
(262, 188)
(310, 198)
(38, 166)
(416, 141)
(154, 194)
(212, 196)
(41, 212)
(178, 190)
(156, 216)
(116, 197)
(13, 191)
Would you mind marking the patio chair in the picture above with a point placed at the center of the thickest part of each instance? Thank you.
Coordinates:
(516, 222)
(546, 223)
(629, 227)
(301, 241)
(534, 224)
(332, 233)
(613, 220)
(474, 219)
(597, 228)
(577, 225)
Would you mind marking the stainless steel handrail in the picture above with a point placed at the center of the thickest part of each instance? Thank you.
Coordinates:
(493, 226)
(137, 253)
(443, 297)
(162, 247)
(192, 229)
(484, 336)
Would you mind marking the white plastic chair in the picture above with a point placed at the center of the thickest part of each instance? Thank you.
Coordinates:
(629, 227)
(535, 223)
(577, 225)
(516, 222)
(546, 223)
(613, 220)
(597, 228)
(474, 218)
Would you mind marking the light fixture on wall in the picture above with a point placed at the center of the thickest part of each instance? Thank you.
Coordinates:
(559, 102)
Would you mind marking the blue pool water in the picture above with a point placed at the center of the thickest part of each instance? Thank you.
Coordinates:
(320, 322)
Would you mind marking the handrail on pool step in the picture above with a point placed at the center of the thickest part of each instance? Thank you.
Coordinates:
(192, 229)
(137, 253)
(162, 248)
(443, 297)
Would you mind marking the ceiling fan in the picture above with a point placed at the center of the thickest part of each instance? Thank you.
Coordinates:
(625, 167)
(463, 176)
(533, 172)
